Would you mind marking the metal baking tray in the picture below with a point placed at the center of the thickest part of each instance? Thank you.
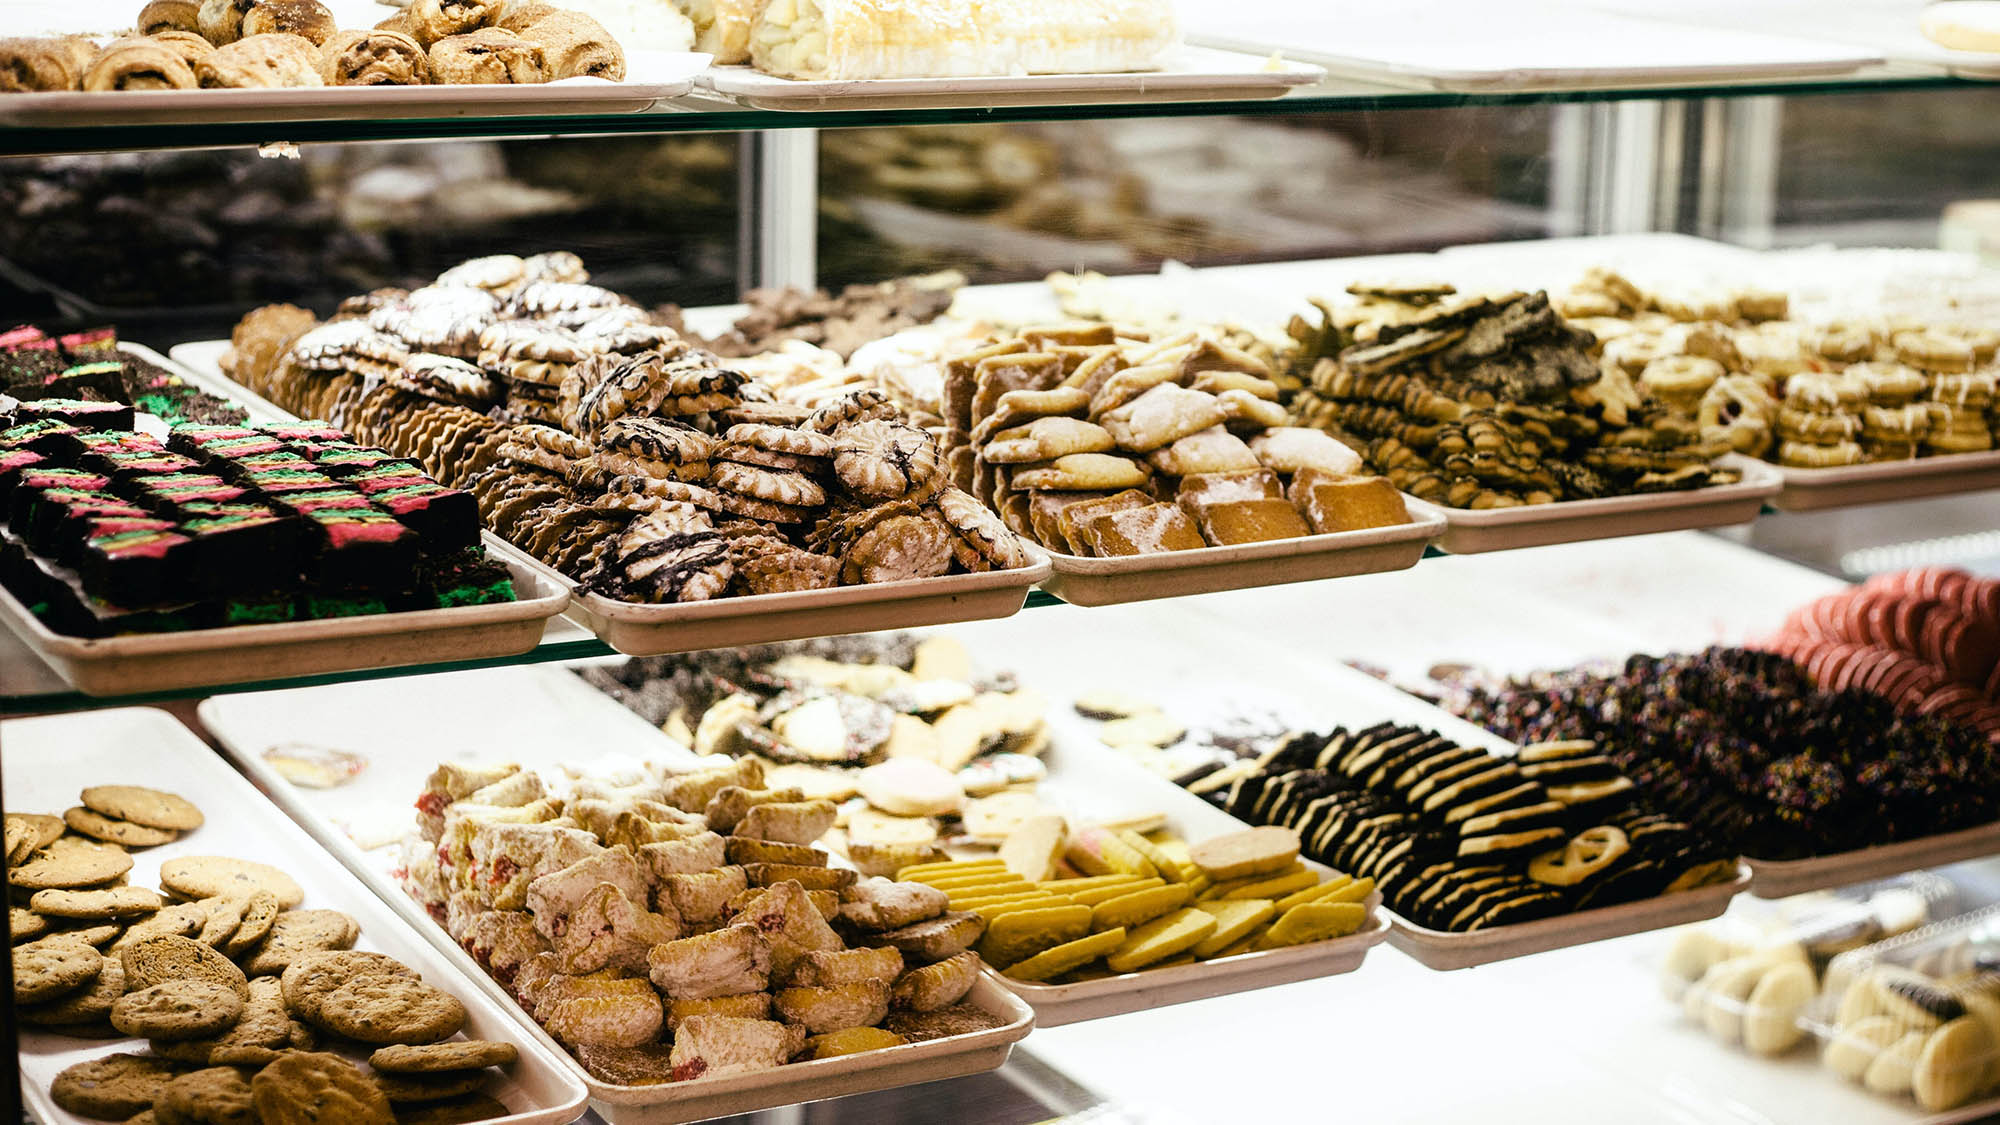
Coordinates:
(47, 761)
(236, 722)
(1441, 950)
(1813, 490)
(1568, 521)
(1771, 878)
(1084, 581)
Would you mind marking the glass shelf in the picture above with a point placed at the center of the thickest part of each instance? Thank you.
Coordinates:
(695, 113)
(28, 687)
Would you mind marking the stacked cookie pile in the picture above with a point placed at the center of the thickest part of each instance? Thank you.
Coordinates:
(1927, 640)
(1489, 402)
(1815, 396)
(245, 44)
(1142, 902)
(1461, 839)
(615, 450)
(681, 926)
(243, 997)
(1096, 444)
(1743, 747)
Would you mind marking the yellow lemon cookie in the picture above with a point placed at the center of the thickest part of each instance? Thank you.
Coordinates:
(1138, 907)
(1277, 886)
(922, 872)
(1160, 939)
(1092, 896)
(1315, 921)
(1222, 888)
(1235, 920)
(1067, 957)
(1100, 851)
(1312, 894)
(1013, 938)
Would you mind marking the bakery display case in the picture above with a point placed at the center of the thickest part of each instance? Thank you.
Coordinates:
(663, 562)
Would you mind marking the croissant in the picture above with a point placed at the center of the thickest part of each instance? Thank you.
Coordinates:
(577, 46)
(139, 64)
(41, 65)
(373, 58)
(853, 39)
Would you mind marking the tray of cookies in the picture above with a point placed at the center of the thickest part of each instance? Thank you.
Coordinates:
(1473, 531)
(230, 553)
(1156, 468)
(241, 987)
(716, 982)
(1881, 482)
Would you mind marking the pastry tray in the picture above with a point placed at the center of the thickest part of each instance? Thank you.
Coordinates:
(208, 378)
(1441, 950)
(652, 630)
(1567, 521)
(48, 761)
(1772, 878)
(1812, 490)
(1170, 574)
(153, 662)
(638, 629)
(651, 76)
(1190, 74)
(246, 725)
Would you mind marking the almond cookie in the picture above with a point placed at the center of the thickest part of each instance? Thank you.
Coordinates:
(45, 970)
(412, 1089)
(114, 1087)
(315, 1088)
(298, 932)
(377, 1008)
(90, 1005)
(97, 905)
(71, 862)
(1046, 439)
(180, 1009)
(217, 1095)
(97, 826)
(898, 548)
(885, 459)
(779, 486)
(207, 876)
(163, 959)
(461, 1054)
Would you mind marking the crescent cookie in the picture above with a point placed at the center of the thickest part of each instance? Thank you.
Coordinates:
(884, 459)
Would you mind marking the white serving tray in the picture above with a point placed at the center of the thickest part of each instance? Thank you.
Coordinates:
(201, 362)
(153, 662)
(1779, 878)
(1567, 521)
(1461, 46)
(248, 725)
(1190, 74)
(1084, 581)
(48, 761)
(200, 378)
(1439, 949)
(1812, 490)
(651, 630)
(650, 77)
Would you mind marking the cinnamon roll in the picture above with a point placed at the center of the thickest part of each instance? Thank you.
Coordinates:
(139, 64)
(307, 18)
(261, 61)
(170, 15)
(221, 21)
(439, 19)
(44, 65)
(190, 46)
(577, 46)
(488, 56)
(373, 58)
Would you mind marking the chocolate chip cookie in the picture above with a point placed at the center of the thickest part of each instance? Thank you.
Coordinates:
(315, 1088)
(163, 959)
(181, 1009)
(218, 1095)
(310, 977)
(71, 861)
(378, 1008)
(149, 807)
(298, 932)
(97, 826)
(460, 1054)
(205, 876)
(96, 905)
(113, 1087)
(45, 970)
